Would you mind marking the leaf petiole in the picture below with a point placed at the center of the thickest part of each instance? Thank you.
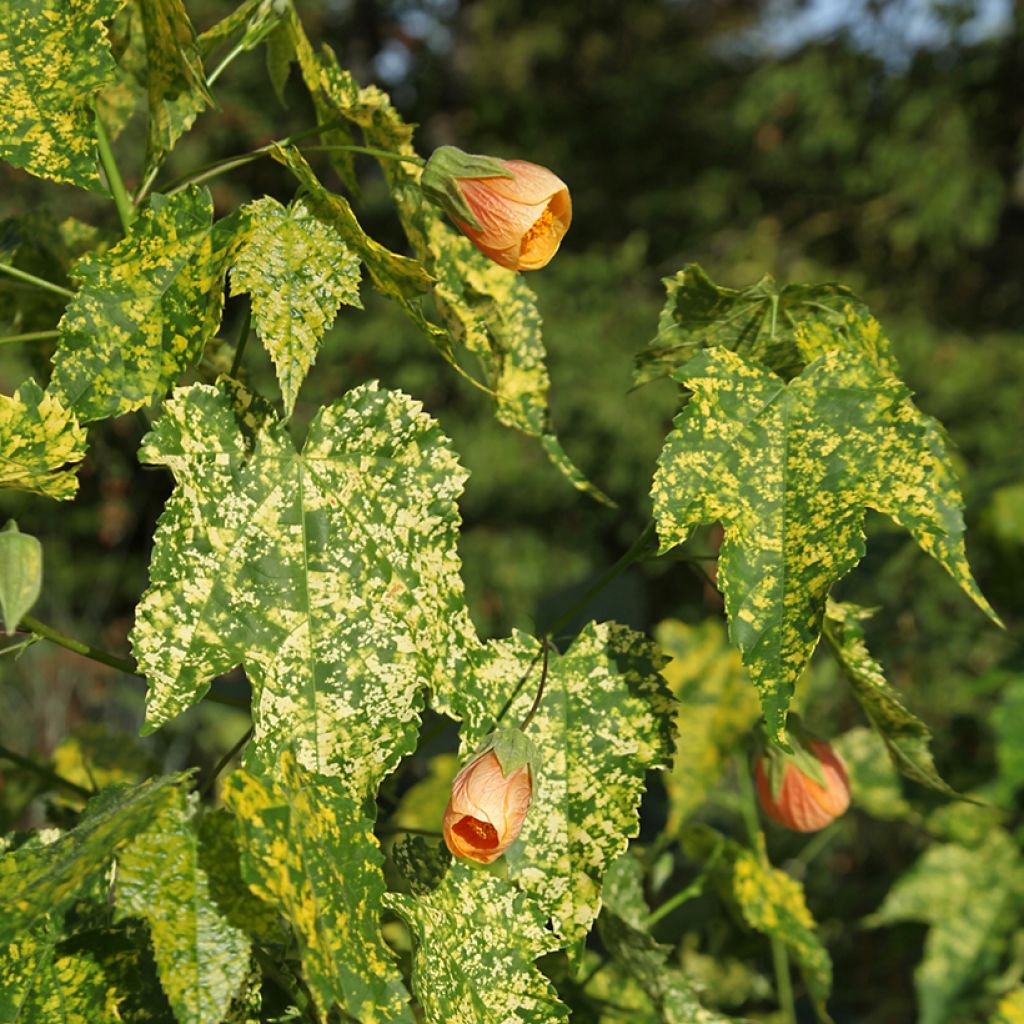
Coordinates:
(125, 210)
(22, 275)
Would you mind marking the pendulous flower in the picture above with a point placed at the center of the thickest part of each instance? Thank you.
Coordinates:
(487, 808)
(516, 213)
(792, 798)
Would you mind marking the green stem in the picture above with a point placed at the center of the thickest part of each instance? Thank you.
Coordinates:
(224, 762)
(125, 209)
(382, 154)
(780, 959)
(45, 773)
(540, 689)
(231, 55)
(33, 625)
(21, 275)
(637, 548)
(30, 336)
(522, 682)
(243, 337)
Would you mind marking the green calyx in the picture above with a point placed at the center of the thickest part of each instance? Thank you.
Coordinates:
(513, 749)
(440, 180)
(800, 757)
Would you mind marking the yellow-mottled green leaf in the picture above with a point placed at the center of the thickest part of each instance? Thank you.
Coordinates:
(788, 469)
(421, 862)
(308, 849)
(761, 322)
(476, 940)
(333, 573)
(37, 880)
(717, 710)
(605, 719)
(54, 56)
(175, 82)
(906, 737)
(145, 309)
(25, 964)
(973, 899)
(201, 958)
(39, 438)
(298, 272)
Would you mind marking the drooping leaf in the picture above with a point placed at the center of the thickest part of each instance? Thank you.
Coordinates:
(789, 469)
(333, 573)
(606, 717)
(175, 81)
(906, 737)
(761, 322)
(54, 56)
(307, 849)
(21, 574)
(116, 103)
(38, 880)
(201, 958)
(39, 438)
(145, 309)
(477, 938)
(972, 899)
(220, 32)
(298, 272)
(717, 710)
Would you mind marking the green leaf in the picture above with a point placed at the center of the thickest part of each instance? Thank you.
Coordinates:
(201, 958)
(97, 756)
(717, 710)
(54, 56)
(298, 272)
(38, 438)
(37, 880)
(972, 899)
(906, 737)
(307, 849)
(24, 965)
(333, 573)
(145, 309)
(175, 81)
(760, 322)
(476, 940)
(788, 470)
(21, 574)
(421, 862)
(605, 719)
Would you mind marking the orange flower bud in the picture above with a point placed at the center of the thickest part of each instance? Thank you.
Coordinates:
(486, 809)
(516, 213)
(799, 802)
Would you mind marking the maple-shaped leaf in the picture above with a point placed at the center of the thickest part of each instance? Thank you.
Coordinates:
(789, 469)
(605, 718)
(477, 938)
(175, 82)
(145, 307)
(40, 442)
(54, 56)
(762, 322)
(331, 572)
(487, 311)
(298, 272)
(308, 849)
(906, 737)
(201, 958)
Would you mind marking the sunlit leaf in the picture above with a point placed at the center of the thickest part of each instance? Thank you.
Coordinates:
(54, 56)
(39, 438)
(145, 309)
(788, 469)
(331, 572)
(477, 938)
(606, 717)
(308, 850)
(298, 272)
(201, 958)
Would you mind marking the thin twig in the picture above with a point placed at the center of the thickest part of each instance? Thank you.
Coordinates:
(29, 336)
(125, 210)
(45, 773)
(243, 337)
(540, 688)
(224, 762)
(21, 275)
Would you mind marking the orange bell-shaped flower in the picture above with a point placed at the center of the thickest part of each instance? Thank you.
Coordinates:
(799, 802)
(486, 809)
(515, 212)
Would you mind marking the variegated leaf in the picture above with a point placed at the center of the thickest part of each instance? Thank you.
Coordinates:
(788, 469)
(476, 940)
(308, 850)
(145, 309)
(40, 441)
(604, 720)
(332, 573)
(54, 56)
(298, 272)
(202, 960)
